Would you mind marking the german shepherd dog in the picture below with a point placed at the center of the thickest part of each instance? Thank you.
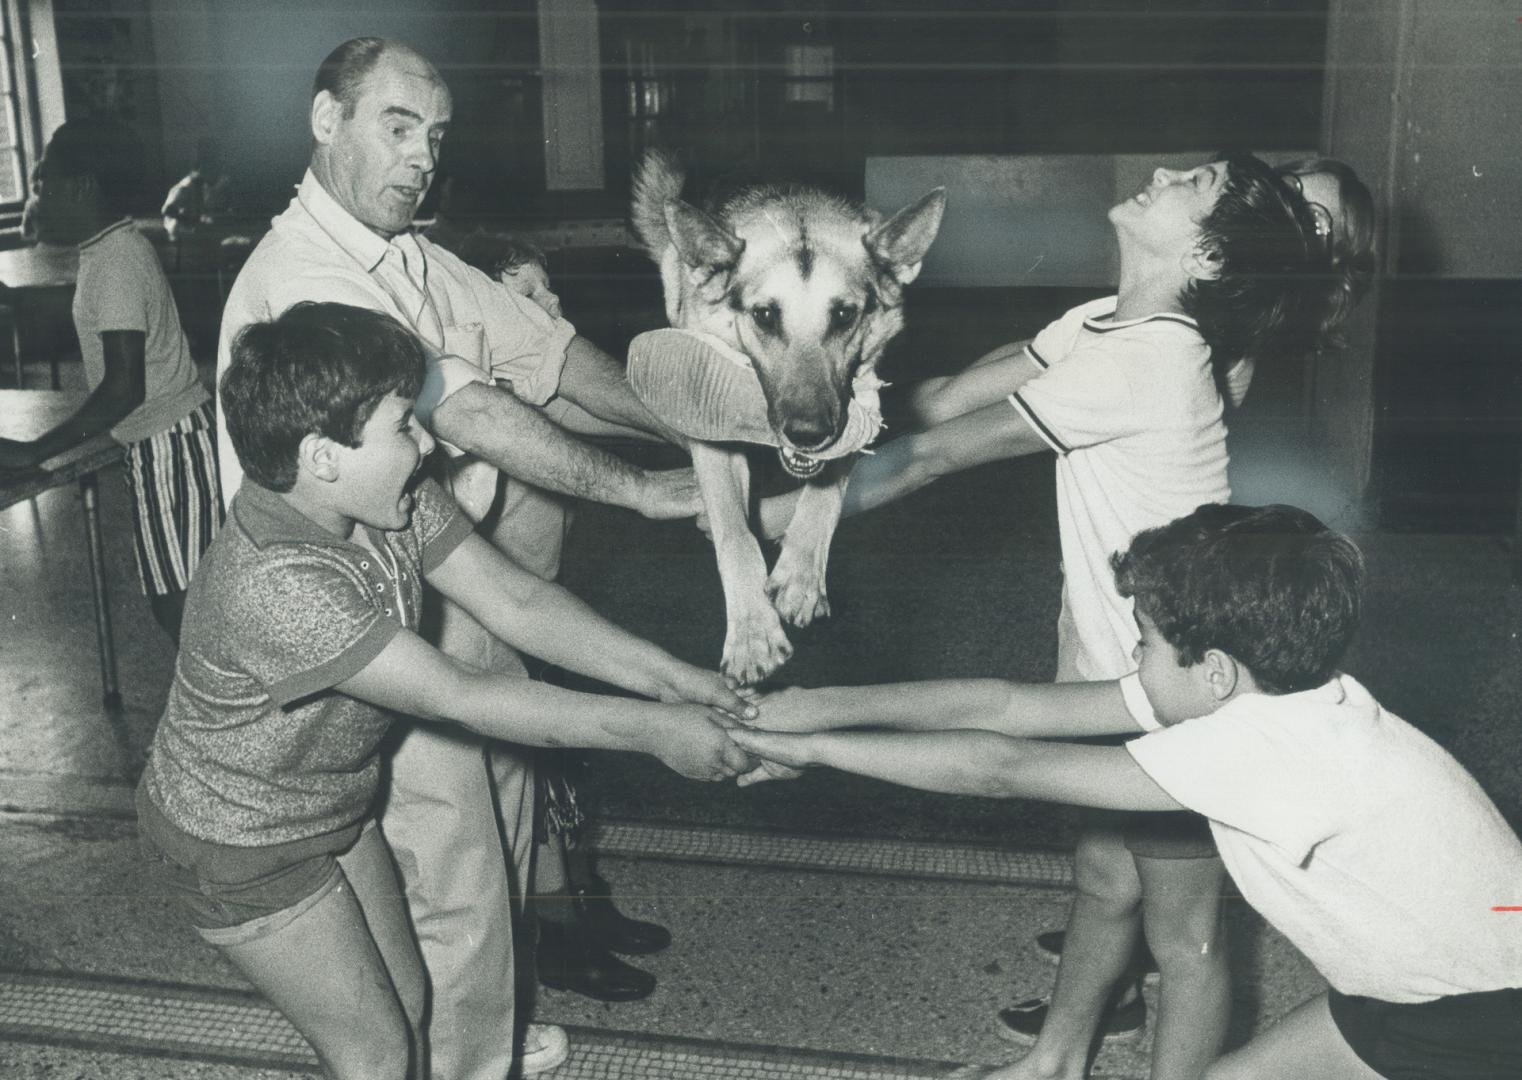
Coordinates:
(809, 287)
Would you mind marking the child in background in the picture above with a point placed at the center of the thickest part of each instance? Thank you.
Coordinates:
(144, 386)
(1336, 819)
(515, 263)
(257, 808)
(199, 196)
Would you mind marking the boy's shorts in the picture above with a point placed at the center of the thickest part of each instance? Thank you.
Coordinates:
(1172, 834)
(237, 894)
(176, 500)
(1461, 1037)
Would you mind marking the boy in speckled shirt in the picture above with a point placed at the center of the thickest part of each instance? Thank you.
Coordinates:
(257, 807)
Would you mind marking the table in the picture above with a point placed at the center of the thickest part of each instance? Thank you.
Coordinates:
(25, 414)
(37, 269)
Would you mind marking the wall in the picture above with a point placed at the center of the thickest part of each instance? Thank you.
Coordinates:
(1027, 220)
(1423, 98)
(242, 71)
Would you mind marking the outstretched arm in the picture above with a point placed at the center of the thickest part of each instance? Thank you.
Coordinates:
(410, 676)
(991, 433)
(595, 381)
(991, 377)
(490, 423)
(904, 465)
(1028, 710)
(974, 763)
(121, 391)
(550, 622)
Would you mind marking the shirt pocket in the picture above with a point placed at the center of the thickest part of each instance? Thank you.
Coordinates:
(468, 342)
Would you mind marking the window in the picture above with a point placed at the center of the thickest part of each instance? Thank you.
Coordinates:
(27, 46)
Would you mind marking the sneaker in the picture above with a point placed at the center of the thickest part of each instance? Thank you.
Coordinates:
(1021, 1023)
(1049, 948)
(544, 1047)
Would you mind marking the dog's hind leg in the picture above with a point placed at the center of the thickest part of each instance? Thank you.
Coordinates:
(796, 585)
(754, 642)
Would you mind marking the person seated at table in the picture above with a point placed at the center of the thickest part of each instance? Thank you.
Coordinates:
(198, 197)
(144, 387)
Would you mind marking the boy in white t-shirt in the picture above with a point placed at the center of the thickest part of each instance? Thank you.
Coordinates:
(1356, 836)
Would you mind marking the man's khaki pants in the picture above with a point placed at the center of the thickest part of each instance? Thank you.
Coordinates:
(459, 816)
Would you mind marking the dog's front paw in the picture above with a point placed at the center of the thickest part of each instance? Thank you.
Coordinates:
(754, 647)
(798, 597)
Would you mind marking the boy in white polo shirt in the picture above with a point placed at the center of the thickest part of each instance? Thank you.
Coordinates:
(1337, 820)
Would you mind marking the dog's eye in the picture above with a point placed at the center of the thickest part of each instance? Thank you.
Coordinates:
(843, 316)
(766, 316)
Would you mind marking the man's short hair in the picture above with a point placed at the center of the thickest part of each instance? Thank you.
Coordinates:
(104, 149)
(345, 68)
(1270, 586)
(1269, 299)
(317, 369)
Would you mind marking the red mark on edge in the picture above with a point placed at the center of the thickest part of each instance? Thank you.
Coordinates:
(1505, 907)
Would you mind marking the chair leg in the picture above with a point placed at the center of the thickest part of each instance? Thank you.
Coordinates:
(16, 351)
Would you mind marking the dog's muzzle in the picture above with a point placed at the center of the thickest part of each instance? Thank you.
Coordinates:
(799, 464)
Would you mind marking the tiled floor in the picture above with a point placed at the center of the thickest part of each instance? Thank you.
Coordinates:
(124, 1016)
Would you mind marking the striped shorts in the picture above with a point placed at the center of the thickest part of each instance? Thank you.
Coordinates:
(176, 500)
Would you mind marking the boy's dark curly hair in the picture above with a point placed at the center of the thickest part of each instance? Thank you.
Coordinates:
(1270, 586)
(317, 369)
(1269, 297)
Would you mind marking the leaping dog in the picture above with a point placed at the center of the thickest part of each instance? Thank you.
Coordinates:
(806, 289)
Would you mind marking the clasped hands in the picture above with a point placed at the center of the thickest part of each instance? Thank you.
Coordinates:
(745, 734)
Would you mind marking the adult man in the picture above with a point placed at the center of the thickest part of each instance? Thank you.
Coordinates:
(379, 112)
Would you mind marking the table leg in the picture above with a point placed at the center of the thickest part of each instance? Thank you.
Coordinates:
(90, 495)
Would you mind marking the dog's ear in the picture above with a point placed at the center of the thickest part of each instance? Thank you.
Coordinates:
(700, 240)
(899, 244)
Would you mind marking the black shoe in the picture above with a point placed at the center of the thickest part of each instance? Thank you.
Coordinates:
(568, 960)
(611, 928)
(1049, 945)
(1022, 1023)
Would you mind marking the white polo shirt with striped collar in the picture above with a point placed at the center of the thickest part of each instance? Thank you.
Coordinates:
(1132, 410)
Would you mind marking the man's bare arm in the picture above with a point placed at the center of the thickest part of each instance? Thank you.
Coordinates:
(491, 424)
(594, 380)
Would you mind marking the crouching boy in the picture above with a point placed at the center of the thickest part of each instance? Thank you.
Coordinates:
(257, 806)
(1355, 835)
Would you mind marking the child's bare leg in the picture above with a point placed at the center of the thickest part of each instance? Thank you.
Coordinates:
(1182, 915)
(1101, 935)
(328, 975)
(371, 870)
(1305, 1043)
